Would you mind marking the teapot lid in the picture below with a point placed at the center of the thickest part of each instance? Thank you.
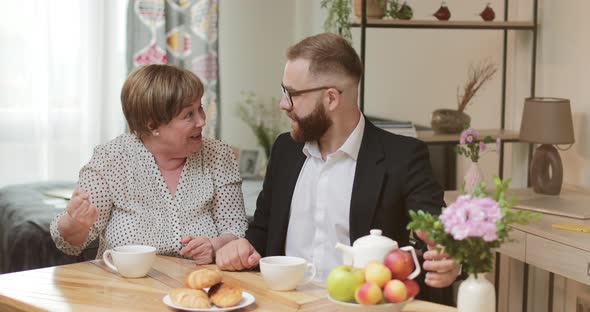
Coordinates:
(375, 240)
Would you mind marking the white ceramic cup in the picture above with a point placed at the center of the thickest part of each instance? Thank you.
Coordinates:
(284, 273)
(130, 261)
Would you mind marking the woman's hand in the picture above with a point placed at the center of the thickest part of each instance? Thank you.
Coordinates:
(81, 210)
(198, 248)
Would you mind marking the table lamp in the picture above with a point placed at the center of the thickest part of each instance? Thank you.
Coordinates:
(547, 121)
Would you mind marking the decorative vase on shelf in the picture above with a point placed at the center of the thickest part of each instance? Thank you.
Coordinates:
(443, 13)
(476, 294)
(473, 177)
(449, 121)
(488, 13)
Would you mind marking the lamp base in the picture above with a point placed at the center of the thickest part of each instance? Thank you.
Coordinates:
(544, 181)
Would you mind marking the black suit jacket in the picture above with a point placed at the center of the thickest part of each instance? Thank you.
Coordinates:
(393, 175)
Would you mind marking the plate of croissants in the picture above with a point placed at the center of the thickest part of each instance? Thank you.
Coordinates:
(206, 291)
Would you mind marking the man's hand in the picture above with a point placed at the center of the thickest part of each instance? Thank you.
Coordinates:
(80, 210)
(442, 269)
(237, 255)
(198, 248)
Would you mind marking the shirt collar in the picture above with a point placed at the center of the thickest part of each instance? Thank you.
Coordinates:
(350, 147)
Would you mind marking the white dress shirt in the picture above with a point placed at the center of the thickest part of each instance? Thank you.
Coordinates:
(320, 207)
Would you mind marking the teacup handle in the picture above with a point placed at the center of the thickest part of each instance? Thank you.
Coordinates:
(416, 263)
(107, 261)
(310, 267)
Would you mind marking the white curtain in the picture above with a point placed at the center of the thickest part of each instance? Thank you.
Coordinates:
(62, 65)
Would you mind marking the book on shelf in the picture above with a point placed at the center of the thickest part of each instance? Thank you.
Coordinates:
(405, 128)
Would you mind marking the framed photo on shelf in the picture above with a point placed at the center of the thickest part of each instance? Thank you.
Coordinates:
(248, 163)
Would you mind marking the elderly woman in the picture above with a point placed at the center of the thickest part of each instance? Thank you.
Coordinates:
(162, 185)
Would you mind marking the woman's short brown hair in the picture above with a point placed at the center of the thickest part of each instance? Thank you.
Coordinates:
(154, 94)
(328, 54)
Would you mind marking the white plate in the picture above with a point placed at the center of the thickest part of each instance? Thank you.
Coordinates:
(247, 299)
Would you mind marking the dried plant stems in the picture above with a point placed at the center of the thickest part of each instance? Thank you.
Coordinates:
(478, 75)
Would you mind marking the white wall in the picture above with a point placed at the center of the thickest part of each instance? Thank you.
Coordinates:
(564, 71)
(253, 36)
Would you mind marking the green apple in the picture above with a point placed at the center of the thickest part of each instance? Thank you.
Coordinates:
(343, 281)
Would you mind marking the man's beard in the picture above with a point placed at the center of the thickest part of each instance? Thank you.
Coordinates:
(312, 127)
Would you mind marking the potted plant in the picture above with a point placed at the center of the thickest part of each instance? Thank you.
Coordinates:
(264, 118)
(469, 230)
(455, 120)
(375, 8)
(338, 19)
(472, 147)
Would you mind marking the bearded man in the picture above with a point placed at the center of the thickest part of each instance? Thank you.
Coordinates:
(336, 175)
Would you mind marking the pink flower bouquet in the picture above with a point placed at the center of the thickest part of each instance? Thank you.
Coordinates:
(470, 228)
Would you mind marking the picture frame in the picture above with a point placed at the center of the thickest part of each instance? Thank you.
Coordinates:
(248, 163)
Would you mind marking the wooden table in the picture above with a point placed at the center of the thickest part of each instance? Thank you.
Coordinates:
(90, 286)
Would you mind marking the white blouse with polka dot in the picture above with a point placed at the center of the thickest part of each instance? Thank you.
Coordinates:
(135, 206)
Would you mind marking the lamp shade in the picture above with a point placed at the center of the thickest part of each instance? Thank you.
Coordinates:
(547, 121)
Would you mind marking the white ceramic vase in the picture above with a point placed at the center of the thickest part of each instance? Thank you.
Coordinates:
(476, 294)
(473, 177)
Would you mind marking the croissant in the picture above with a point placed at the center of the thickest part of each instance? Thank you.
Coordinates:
(225, 295)
(203, 278)
(189, 298)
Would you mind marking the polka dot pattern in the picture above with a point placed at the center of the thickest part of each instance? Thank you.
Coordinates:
(135, 206)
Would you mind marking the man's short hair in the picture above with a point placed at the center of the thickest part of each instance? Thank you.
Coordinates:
(154, 94)
(328, 54)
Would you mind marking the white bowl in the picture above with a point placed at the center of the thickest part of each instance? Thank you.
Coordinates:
(384, 307)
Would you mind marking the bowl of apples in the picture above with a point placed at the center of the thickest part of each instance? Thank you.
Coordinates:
(378, 286)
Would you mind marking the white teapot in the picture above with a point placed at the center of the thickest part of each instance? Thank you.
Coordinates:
(373, 247)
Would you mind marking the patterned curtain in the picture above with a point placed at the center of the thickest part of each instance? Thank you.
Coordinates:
(179, 32)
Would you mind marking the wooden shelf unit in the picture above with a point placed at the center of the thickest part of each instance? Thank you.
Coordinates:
(502, 24)
(430, 137)
(429, 24)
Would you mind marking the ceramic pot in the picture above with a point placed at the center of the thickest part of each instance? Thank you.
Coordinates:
(449, 121)
(476, 294)
(374, 10)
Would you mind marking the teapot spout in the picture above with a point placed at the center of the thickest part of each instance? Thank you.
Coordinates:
(347, 253)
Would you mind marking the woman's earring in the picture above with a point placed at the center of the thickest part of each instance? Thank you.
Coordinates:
(156, 132)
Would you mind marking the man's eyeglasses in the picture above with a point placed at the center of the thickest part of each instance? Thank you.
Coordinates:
(290, 94)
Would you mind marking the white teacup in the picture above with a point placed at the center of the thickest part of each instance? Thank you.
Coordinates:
(130, 261)
(284, 273)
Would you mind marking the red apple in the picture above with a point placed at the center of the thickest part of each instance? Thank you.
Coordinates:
(395, 291)
(413, 288)
(400, 264)
(368, 293)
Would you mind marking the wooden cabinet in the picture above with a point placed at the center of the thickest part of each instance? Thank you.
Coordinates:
(517, 248)
(567, 261)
